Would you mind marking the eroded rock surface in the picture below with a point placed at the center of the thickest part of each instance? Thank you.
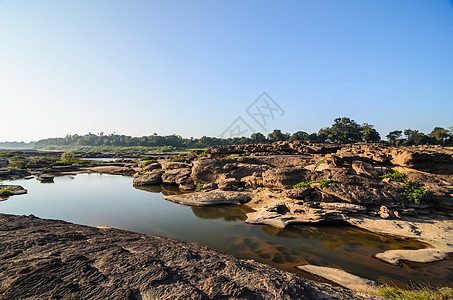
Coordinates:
(210, 198)
(54, 259)
(342, 278)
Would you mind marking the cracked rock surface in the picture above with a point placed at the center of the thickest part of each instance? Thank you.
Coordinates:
(54, 259)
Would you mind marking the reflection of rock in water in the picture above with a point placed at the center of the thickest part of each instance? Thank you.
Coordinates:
(267, 252)
(337, 235)
(166, 190)
(149, 188)
(228, 213)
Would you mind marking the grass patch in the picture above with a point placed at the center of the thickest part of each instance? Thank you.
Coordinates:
(177, 159)
(419, 293)
(5, 192)
(395, 176)
(204, 154)
(307, 184)
(17, 164)
(148, 162)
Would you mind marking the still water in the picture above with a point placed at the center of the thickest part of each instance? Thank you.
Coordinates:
(109, 200)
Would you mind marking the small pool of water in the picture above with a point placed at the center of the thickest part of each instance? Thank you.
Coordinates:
(108, 200)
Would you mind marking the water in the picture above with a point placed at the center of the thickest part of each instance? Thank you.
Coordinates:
(108, 200)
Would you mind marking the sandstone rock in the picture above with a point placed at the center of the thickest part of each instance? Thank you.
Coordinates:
(229, 184)
(281, 213)
(364, 169)
(210, 186)
(300, 193)
(152, 167)
(69, 261)
(13, 189)
(384, 212)
(342, 278)
(253, 181)
(148, 179)
(359, 194)
(45, 178)
(210, 198)
(421, 256)
(284, 178)
(114, 170)
(174, 165)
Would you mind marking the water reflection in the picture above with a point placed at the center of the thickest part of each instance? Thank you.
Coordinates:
(228, 213)
(108, 200)
(166, 190)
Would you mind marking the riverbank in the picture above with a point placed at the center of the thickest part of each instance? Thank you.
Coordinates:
(75, 261)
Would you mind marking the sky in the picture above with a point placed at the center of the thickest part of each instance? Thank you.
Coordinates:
(197, 68)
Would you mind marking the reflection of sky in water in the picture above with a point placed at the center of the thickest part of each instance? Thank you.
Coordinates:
(95, 199)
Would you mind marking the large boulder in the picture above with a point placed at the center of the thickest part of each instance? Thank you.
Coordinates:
(69, 261)
(215, 197)
(361, 195)
(148, 179)
(285, 178)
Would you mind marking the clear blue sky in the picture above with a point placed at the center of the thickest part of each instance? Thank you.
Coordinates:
(193, 67)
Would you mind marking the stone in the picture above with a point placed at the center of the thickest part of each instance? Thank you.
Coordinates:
(394, 257)
(152, 167)
(285, 178)
(69, 261)
(364, 169)
(342, 278)
(210, 198)
(45, 178)
(148, 179)
(13, 189)
(299, 193)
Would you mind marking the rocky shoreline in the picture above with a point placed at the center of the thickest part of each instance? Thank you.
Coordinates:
(55, 259)
(295, 182)
(339, 183)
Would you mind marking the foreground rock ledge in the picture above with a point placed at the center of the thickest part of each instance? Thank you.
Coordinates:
(54, 259)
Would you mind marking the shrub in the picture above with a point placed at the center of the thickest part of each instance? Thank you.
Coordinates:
(5, 192)
(412, 191)
(307, 184)
(177, 159)
(204, 154)
(68, 158)
(148, 162)
(182, 154)
(199, 187)
(17, 164)
(417, 193)
(395, 176)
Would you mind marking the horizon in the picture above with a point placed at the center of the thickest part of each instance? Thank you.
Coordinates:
(201, 68)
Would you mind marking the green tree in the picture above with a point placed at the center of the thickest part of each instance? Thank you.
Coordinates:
(369, 134)
(394, 137)
(68, 157)
(258, 138)
(439, 134)
(277, 135)
(300, 135)
(343, 130)
(415, 137)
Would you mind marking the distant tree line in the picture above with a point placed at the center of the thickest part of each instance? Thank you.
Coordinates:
(343, 130)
